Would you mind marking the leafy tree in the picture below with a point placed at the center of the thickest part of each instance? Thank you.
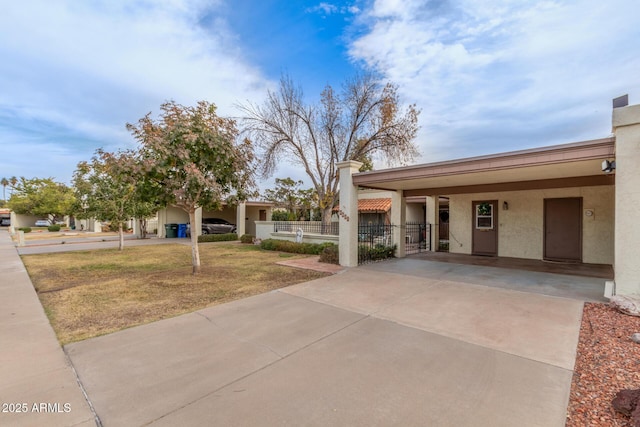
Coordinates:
(192, 156)
(111, 188)
(285, 195)
(4, 182)
(298, 203)
(42, 197)
(363, 121)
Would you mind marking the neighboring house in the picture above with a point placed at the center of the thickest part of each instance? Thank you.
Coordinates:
(566, 203)
(24, 220)
(243, 216)
(374, 207)
(372, 211)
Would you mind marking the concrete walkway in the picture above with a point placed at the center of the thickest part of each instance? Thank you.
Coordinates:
(366, 347)
(403, 342)
(35, 377)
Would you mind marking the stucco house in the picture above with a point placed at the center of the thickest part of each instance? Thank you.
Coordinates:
(573, 202)
(244, 215)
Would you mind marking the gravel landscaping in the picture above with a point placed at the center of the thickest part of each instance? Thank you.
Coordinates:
(607, 361)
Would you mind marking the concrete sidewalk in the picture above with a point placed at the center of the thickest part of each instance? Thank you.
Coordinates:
(366, 347)
(37, 385)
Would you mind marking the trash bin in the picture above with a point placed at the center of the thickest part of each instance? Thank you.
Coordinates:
(182, 230)
(171, 230)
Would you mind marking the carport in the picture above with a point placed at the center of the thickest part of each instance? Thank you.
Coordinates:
(570, 203)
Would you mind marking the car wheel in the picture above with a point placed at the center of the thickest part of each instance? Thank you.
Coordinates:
(205, 231)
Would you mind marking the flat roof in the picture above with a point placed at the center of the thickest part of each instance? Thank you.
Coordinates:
(553, 166)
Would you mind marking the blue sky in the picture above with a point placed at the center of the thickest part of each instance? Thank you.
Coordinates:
(488, 75)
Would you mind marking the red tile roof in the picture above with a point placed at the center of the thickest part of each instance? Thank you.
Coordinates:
(372, 205)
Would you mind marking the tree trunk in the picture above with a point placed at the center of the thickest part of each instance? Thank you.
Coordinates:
(121, 233)
(195, 252)
(142, 223)
(326, 219)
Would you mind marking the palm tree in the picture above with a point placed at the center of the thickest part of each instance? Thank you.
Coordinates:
(4, 182)
(13, 181)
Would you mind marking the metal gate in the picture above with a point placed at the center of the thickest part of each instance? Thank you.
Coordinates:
(418, 237)
(375, 242)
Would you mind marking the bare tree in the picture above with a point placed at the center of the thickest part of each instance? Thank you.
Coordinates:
(363, 121)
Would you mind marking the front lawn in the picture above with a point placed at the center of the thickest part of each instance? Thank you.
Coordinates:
(92, 293)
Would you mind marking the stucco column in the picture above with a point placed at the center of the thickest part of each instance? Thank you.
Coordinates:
(198, 225)
(348, 213)
(162, 221)
(241, 215)
(433, 218)
(13, 225)
(626, 126)
(399, 221)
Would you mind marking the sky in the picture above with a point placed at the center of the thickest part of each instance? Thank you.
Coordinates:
(488, 75)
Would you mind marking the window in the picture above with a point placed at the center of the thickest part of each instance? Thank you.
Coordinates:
(484, 215)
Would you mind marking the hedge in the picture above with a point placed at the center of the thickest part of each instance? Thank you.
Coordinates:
(294, 247)
(330, 255)
(247, 238)
(53, 227)
(377, 252)
(217, 237)
(25, 229)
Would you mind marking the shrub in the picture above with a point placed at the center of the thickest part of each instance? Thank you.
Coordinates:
(376, 252)
(293, 247)
(25, 229)
(217, 237)
(330, 255)
(247, 238)
(279, 216)
(53, 227)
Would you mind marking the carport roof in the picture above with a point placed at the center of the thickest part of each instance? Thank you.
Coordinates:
(568, 165)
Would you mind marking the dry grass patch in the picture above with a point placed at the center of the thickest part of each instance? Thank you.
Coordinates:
(92, 293)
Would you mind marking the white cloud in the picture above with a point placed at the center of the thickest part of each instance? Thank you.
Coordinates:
(497, 75)
(90, 67)
(325, 8)
(73, 73)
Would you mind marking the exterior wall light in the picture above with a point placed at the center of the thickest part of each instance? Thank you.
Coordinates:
(505, 206)
(608, 166)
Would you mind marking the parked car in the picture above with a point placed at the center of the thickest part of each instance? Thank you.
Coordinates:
(217, 226)
(5, 222)
(42, 223)
(214, 226)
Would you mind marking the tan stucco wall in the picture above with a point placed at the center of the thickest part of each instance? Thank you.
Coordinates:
(373, 194)
(176, 216)
(23, 220)
(253, 215)
(521, 227)
(415, 212)
(626, 124)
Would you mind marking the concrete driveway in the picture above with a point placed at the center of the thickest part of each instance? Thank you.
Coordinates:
(369, 346)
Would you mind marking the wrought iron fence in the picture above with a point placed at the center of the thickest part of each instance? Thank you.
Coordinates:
(375, 242)
(443, 238)
(418, 237)
(313, 227)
